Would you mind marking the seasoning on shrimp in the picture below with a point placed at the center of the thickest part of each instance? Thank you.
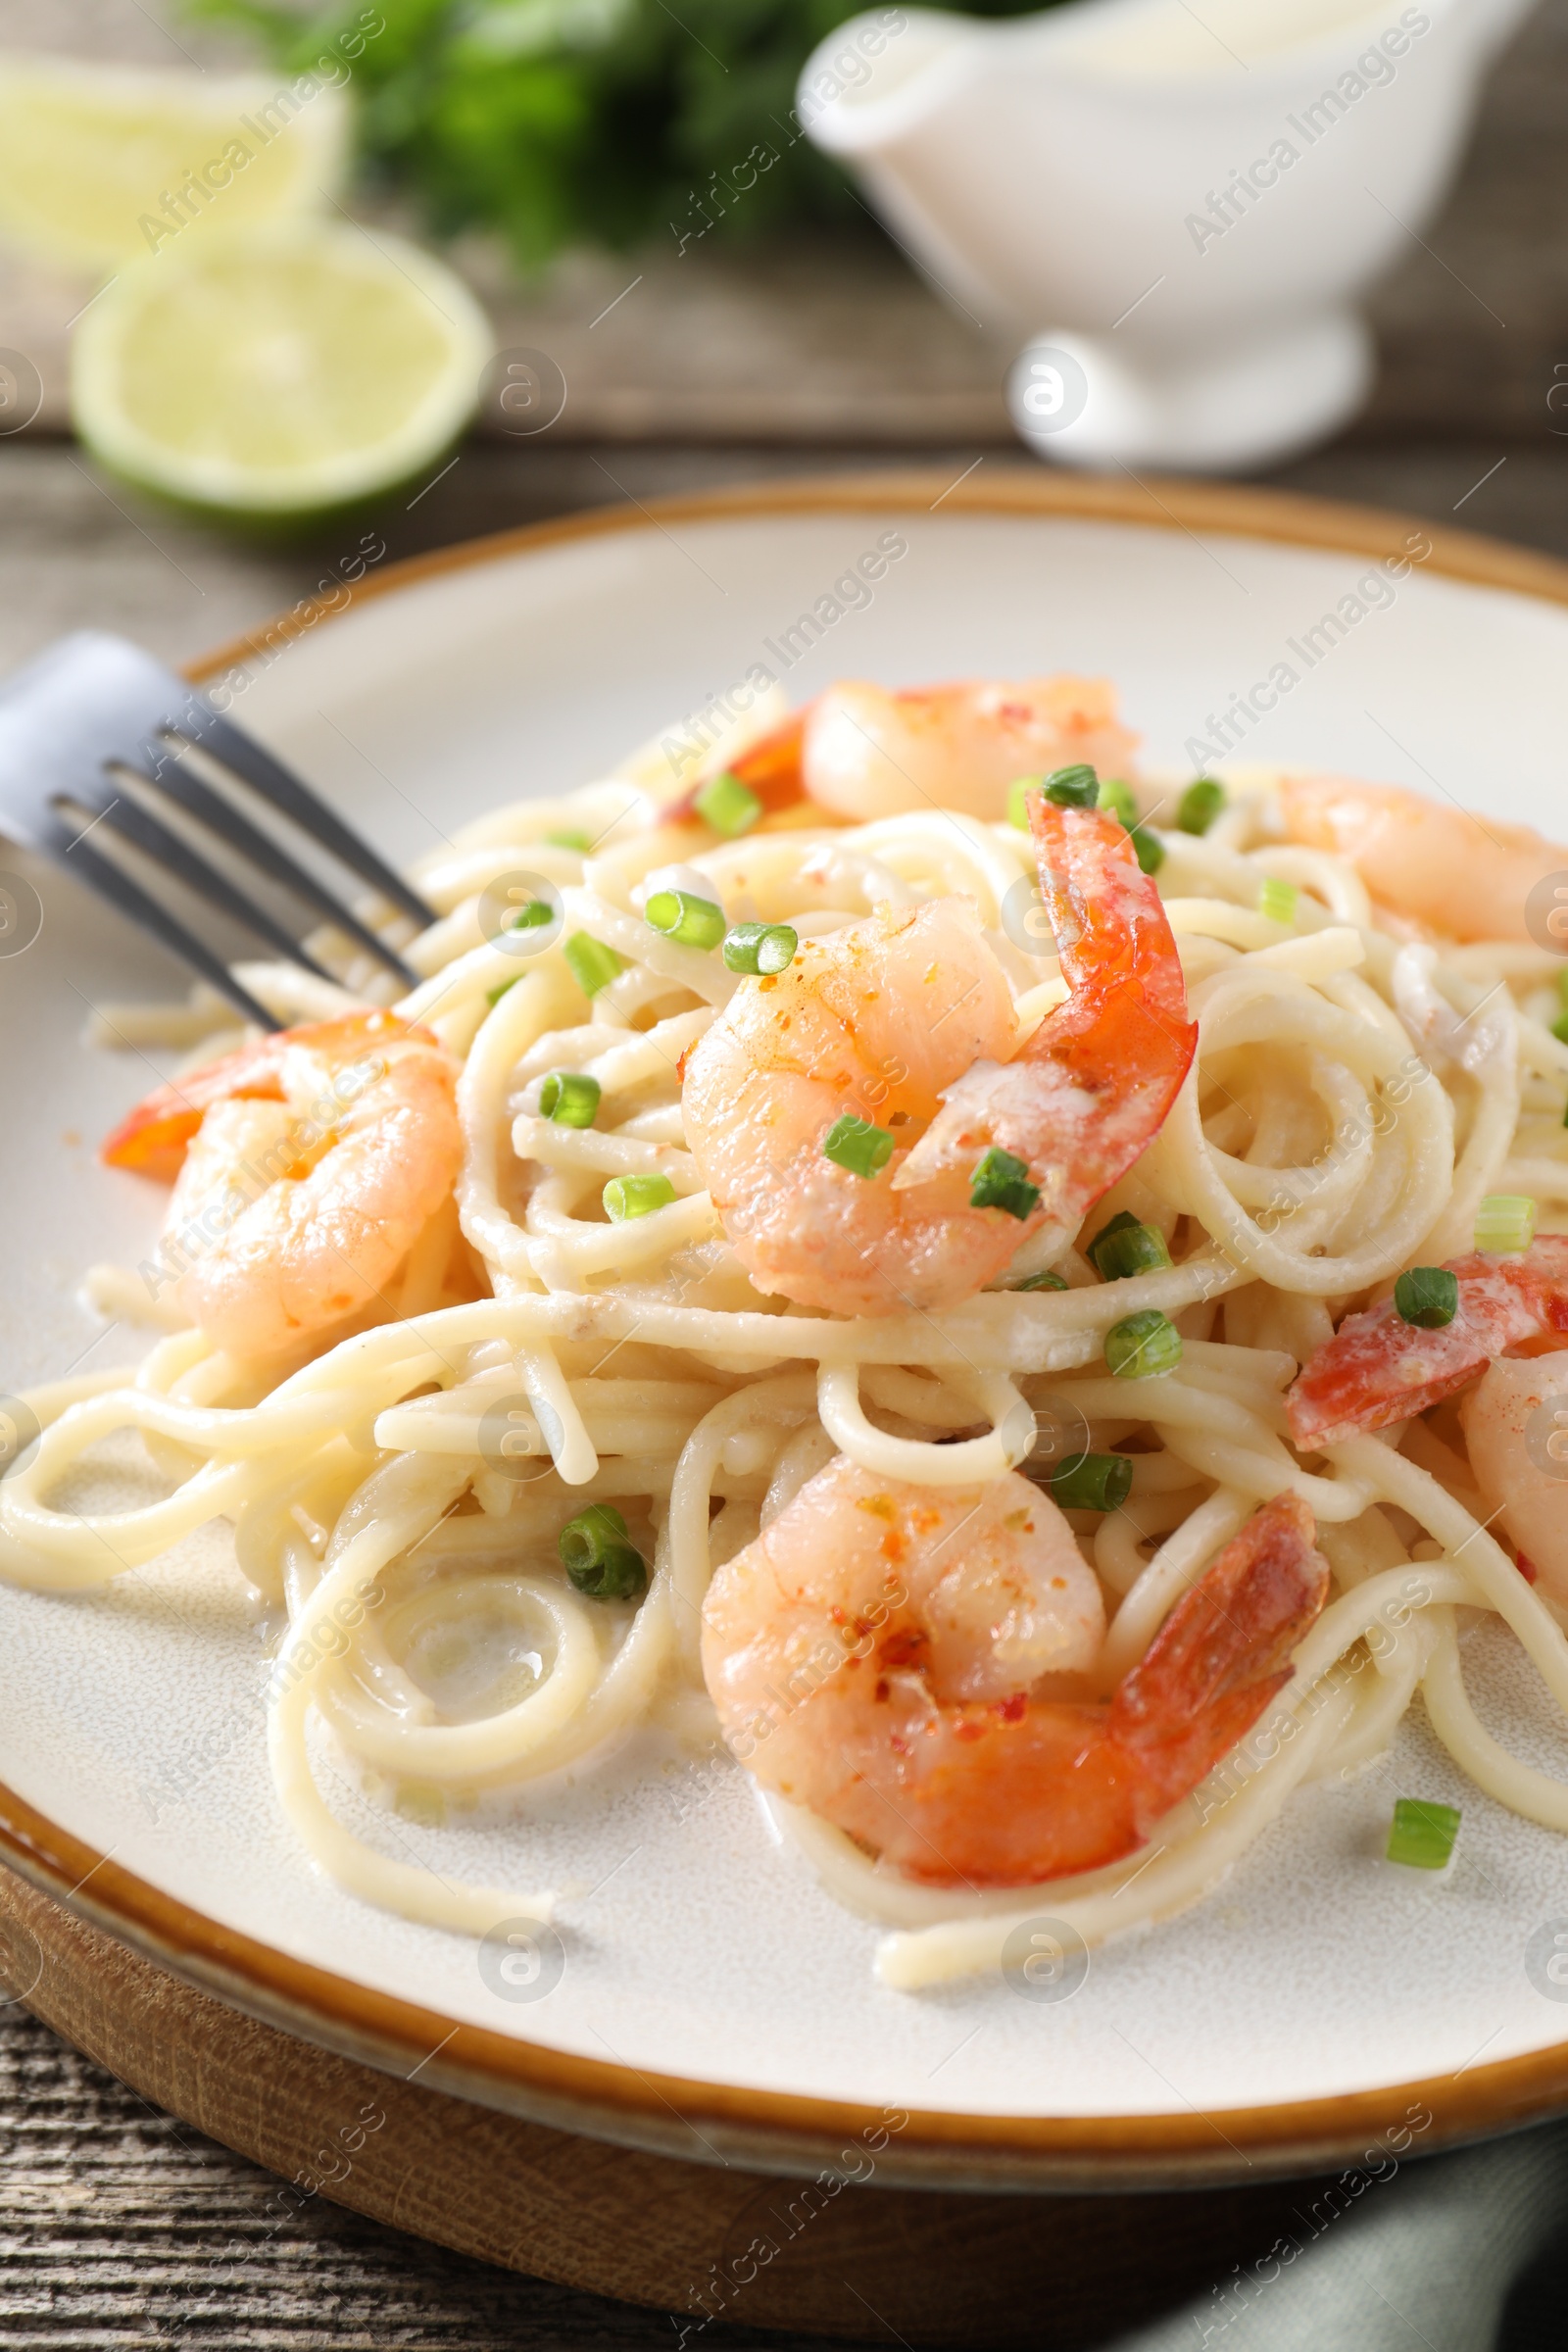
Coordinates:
(915, 1666)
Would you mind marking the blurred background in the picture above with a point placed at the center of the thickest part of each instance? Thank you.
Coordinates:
(555, 154)
(192, 392)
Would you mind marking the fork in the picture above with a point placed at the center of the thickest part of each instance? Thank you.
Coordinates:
(93, 731)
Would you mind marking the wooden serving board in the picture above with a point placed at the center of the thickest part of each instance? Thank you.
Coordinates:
(720, 2243)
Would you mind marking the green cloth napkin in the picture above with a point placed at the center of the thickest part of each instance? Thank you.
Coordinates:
(1428, 2256)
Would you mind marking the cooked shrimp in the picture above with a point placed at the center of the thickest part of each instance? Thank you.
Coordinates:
(887, 1656)
(907, 1021)
(305, 1166)
(1467, 877)
(1378, 1368)
(1515, 1422)
(867, 751)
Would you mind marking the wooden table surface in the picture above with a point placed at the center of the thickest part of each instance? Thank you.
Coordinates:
(118, 2226)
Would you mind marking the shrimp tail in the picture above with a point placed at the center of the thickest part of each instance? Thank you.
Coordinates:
(1087, 1094)
(1122, 1044)
(1223, 1653)
(1118, 955)
(153, 1139)
(1378, 1368)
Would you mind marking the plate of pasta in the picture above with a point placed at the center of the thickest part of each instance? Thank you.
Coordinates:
(899, 1443)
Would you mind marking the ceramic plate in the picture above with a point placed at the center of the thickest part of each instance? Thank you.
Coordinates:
(713, 1998)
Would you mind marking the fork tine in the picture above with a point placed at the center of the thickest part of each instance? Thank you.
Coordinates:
(222, 818)
(93, 703)
(274, 782)
(135, 824)
(111, 882)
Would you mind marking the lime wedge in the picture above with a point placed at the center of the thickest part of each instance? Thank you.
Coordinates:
(278, 371)
(99, 163)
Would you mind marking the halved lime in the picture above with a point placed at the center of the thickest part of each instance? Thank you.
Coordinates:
(278, 371)
(102, 162)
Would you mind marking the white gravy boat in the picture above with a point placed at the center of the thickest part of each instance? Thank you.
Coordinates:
(1179, 205)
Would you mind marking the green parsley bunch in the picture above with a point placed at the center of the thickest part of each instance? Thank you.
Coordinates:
(571, 121)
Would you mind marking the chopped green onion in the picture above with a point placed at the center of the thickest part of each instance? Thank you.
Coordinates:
(727, 804)
(493, 996)
(1070, 788)
(1422, 1833)
(1559, 1029)
(570, 1098)
(1278, 901)
(759, 947)
(1073, 788)
(855, 1144)
(1562, 986)
(1000, 1181)
(1143, 1344)
(1127, 1246)
(531, 916)
(599, 1557)
(1018, 800)
(628, 1196)
(1148, 848)
(569, 840)
(1117, 796)
(1505, 1222)
(1039, 1282)
(1093, 1481)
(1199, 804)
(690, 921)
(591, 963)
(1428, 1295)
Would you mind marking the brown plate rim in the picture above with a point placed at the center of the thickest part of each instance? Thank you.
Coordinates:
(721, 2122)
